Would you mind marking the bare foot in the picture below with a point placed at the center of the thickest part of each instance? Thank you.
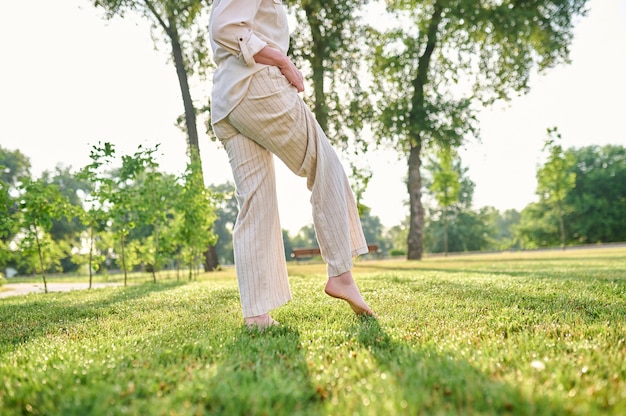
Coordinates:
(344, 287)
(260, 322)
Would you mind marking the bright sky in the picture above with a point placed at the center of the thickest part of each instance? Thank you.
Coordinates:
(69, 79)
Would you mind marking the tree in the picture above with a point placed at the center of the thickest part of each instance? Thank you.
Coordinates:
(596, 206)
(504, 224)
(40, 203)
(7, 223)
(182, 24)
(556, 178)
(451, 224)
(398, 237)
(327, 40)
(197, 213)
(305, 238)
(68, 229)
(95, 212)
(226, 214)
(94, 218)
(14, 165)
(373, 231)
(154, 193)
(445, 59)
(538, 227)
(114, 192)
(594, 209)
(445, 187)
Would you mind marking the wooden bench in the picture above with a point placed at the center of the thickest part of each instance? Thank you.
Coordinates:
(307, 253)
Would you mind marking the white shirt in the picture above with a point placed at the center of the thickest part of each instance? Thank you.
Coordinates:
(238, 30)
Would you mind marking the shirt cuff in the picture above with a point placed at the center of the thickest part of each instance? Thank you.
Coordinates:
(249, 47)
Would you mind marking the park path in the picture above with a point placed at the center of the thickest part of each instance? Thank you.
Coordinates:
(16, 289)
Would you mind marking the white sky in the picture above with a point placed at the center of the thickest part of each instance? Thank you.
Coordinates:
(69, 79)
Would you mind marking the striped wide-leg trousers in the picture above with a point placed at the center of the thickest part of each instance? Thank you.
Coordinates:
(273, 119)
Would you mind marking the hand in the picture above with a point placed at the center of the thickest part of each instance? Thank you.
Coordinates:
(293, 75)
(271, 56)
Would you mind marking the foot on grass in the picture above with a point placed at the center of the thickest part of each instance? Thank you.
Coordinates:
(261, 322)
(343, 287)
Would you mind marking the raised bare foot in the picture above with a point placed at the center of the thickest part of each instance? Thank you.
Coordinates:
(260, 322)
(344, 287)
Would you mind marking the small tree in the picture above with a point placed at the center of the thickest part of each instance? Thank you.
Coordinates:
(95, 219)
(40, 203)
(445, 60)
(556, 177)
(7, 221)
(445, 187)
(197, 213)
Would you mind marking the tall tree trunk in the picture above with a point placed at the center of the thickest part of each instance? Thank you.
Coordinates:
(124, 260)
(91, 254)
(156, 252)
(561, 224)
(445, 234)
(416, 217)
(183, 81)
(418, 120)
(43, 273)
(320, 107)
(211, 259)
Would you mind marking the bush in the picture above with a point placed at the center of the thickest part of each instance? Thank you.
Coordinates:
(397, 252)
(3, 279)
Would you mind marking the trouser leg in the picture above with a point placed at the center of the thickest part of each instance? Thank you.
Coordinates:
(274, 116)
(257, 238)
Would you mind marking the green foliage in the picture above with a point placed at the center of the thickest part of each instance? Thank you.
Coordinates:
(226, 211)
(452, 225)
(182, 26)
(13, 166)
(40, 203)
(466, 230)
(305, 238)
(7, 222)
(446, 183)
(197, 213)
(154, 217)
(327, 40)
(445, 59)
(374, 232)
(521, 333)
(555, 179)
(69, 229)
(179, 21)
(597, 203)
(398, 236)
(594, 209)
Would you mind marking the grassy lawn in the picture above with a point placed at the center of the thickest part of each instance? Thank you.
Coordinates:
(519, 333)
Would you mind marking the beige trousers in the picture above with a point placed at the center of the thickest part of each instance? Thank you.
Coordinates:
(273, 119)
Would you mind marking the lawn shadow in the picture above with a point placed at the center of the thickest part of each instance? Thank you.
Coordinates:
(428, 381)
(25, 318)
(263, 372)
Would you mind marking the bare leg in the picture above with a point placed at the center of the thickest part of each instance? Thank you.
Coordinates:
(344, 287)
(260, 322)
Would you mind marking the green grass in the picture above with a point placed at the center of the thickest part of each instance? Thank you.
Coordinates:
(520, 333)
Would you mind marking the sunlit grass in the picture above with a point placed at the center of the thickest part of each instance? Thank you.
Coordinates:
(516, 333)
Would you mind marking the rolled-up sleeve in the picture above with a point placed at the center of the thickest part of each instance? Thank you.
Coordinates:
(232, 25)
